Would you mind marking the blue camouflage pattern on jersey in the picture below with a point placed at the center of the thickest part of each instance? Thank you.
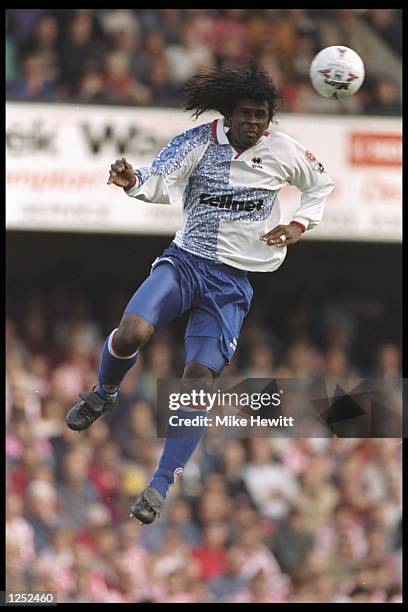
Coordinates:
(210, 177)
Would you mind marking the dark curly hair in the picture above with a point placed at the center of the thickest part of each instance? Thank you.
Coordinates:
(221, 89)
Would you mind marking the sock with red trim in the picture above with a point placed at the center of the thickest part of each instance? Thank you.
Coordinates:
(113, 368)
(180, 444)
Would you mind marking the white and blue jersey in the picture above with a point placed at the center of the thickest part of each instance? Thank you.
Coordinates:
(230, 198)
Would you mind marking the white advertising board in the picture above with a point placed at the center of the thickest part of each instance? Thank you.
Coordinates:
(58, 158)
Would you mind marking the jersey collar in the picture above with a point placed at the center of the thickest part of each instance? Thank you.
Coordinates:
(220, 132)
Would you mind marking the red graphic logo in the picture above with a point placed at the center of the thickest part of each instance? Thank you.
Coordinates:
(177, 472)
(325, 71)
(351, 77)
(310, 157)
(341, 51)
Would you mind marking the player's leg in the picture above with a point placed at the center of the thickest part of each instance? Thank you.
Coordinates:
(180, 444)
(219, 308)
(120, 351)
(157, 302)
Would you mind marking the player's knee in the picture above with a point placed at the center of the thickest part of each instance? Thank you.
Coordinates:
(196, 376)
(132, 334)
(197, 370)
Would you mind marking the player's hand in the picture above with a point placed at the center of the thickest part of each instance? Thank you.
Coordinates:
(121, 174)
(282, 235)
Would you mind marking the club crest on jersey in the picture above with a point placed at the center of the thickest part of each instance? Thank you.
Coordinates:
(256, 162)
(309, 156)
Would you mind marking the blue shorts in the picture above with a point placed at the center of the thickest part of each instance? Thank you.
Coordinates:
(218, 298)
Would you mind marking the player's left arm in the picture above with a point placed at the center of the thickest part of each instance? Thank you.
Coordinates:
(308, 175)
(166, 179)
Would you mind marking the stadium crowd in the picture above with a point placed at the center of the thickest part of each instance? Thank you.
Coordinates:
(144, 56)
(260, 520)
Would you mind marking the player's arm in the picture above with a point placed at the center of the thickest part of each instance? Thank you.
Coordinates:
(165, 181)
(123, 175)
(308, 175)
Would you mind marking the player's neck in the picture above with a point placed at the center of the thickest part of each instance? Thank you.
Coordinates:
(239, 147)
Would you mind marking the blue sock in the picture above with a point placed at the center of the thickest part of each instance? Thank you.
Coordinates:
(176, 453)
(112, 368)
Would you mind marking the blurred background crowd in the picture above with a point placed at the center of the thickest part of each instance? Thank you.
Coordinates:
(144, 56)
(260, 520)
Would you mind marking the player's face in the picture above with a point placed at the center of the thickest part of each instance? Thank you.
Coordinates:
(248, 121)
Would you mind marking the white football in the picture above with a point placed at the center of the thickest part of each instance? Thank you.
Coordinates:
(337, 72)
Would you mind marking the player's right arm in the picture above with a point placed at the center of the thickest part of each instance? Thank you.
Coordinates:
(165, 181)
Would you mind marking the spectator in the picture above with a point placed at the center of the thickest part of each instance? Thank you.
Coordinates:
(58, 555)
(153, 47)
(385, 99)
(43, 42)
(388, 23)
(230, 36)
(258, 556)
(43, 512)
(34, 84)
(159, 365)
(187, 57)
(97, 519)
(230, 581)
(318, 496)
(121, 21)
(270, 483)
(211, 553)
(164, 93)
(389, 361)
(172, 21)
(19, 534)
(291, 542)
(179, 517)
(173, 555)
(77, 492)
(232, 470)
(92, 87)
(103, 473)
(120, 84)
(80, 50)
(24, 21)
(136, 423)
(260, 590)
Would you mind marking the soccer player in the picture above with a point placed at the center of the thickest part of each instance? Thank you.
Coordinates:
(228, 174)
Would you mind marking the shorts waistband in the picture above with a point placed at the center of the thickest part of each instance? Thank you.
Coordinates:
(214, 264)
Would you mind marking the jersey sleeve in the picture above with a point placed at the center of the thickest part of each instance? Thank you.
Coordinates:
(165, 181)
(309, 175)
